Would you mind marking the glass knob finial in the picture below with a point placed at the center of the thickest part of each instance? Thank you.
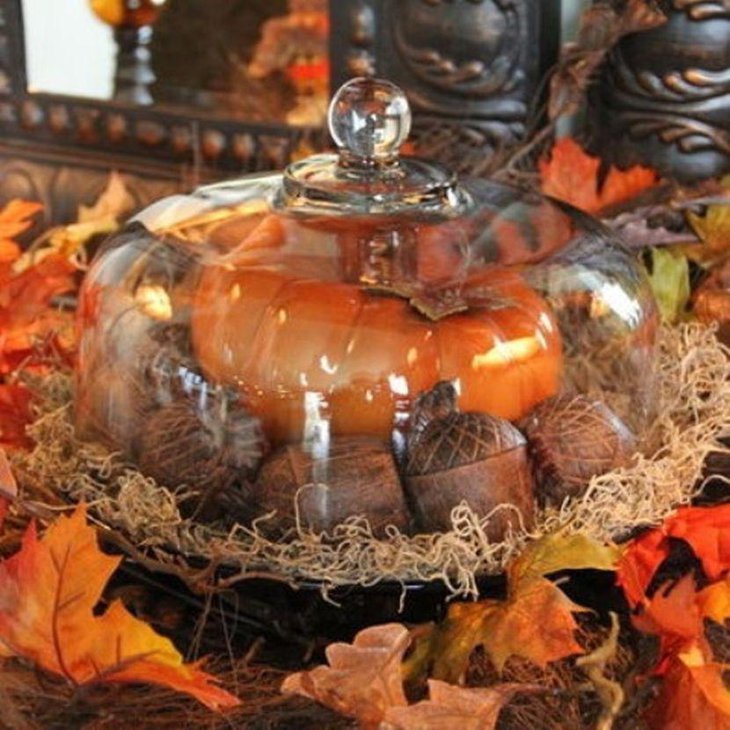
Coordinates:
(369, 119)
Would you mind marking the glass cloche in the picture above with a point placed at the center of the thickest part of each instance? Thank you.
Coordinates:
(366, 335)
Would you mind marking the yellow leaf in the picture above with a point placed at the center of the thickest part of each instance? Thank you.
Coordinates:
(714, 230)
(536, 619)
(48, 593)
(69, 240)
(113, 203)
(562, 551)
(669, 280)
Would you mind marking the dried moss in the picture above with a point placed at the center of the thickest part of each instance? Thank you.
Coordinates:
(694, 410)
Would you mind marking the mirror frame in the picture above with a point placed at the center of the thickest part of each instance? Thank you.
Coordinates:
(60, 149)
(132, 137)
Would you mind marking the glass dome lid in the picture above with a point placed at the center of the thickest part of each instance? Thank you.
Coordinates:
(320, 342)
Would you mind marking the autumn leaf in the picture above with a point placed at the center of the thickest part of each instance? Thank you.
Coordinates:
(101, 218)
(534, 622)
(114, 202)
(29, 325)
(572, 175)
(692, 696)
(363, 679)
(451, 707)
(49, 591)
(705, 529)
(673, 615)
(669, 279)
(601, 27)
(693, 692)
(15, 218)
(713, 230)
(15, 415)
(8, 486)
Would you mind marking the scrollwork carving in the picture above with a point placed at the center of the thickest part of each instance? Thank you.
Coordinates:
(499, 21)
(682, 85)
(704, 9)
(664, 97)
(690, 135)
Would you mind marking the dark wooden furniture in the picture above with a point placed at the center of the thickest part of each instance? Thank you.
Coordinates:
(663, 98)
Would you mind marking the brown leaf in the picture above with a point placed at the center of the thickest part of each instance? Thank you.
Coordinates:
(450, 707)
(15, 415)
(713, 230)
(363, 679)
(602, 25)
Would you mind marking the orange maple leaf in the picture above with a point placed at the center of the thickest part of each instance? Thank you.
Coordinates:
(692, 696)
(48, 593)
(455, 707)
(693, 693)
(535, 621)
(705, 529)
(363, 679)
(15, 218)
(29, 325)
(572, 175)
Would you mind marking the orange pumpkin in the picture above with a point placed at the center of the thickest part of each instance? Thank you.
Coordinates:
(284, 317)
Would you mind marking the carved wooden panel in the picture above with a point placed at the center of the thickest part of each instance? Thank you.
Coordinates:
(664, 95)
(62, 188)
(471, 64)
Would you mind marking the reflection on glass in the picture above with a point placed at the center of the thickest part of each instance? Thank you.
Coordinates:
(259, 60)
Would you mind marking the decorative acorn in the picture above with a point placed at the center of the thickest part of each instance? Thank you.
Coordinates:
(111, 407)
(167, 366)
(358, 476)
(471, 457)
(205, 450)
(571, 439)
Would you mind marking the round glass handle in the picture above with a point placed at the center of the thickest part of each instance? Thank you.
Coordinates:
(369, 119)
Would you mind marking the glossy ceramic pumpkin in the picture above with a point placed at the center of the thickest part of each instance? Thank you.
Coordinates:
(299, 325)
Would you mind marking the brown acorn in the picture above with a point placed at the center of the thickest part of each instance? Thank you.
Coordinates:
(111, 407)
(571, 439)
(471, 457)
(207, 451)
(358, 476)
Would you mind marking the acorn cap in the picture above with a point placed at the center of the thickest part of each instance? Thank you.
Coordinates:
(459, 439)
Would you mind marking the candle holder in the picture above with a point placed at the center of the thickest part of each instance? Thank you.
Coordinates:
(132, 21)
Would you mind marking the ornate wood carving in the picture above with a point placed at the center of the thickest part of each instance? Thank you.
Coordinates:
(62, 188)
(664, 95)
(473, 65)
